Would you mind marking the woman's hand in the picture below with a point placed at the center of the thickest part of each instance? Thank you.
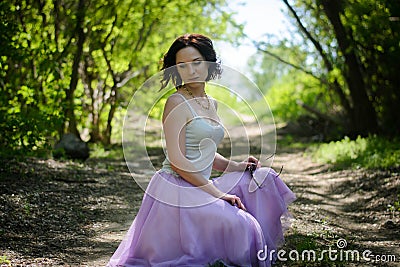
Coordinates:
(253, 161)
(223, 164)
(235, 201)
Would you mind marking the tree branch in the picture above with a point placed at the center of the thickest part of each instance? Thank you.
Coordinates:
(335, 85)
(309, 36)
(318, 113)
(285, 61)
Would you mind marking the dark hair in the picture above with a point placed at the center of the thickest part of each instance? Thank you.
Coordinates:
(203, 44)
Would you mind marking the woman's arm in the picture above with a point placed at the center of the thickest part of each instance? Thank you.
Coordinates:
(223, 164)
(175, 118)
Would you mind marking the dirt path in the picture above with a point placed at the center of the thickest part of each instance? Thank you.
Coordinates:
(345, 210)
(55, 213)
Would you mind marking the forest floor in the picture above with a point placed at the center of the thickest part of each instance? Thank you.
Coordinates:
(66, 213)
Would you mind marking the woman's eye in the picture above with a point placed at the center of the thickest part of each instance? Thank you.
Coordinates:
(183, 65)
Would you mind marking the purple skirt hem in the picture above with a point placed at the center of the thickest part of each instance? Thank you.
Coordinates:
(182, 235)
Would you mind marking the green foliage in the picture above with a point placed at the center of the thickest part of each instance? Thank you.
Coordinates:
(31, 93)
(285, 86)
(26, 133)
(299, 249)
(123, 42)
(377, 35)
(395, 207)
(231, 108)
(352, 48)
(285, 94)
(4, 261)
(228, 100)
(98, 151)
(264, 71)
(371, 153)
(157, 109)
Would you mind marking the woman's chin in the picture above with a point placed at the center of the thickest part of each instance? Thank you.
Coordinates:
(195, 83)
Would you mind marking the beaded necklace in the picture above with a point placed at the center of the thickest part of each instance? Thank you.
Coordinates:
(197, 101)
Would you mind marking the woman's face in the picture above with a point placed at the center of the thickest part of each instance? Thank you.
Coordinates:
(191, 65)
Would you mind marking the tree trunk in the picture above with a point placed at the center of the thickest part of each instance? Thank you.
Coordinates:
(113, 107)
(364, 115)
(337, 89)
(69, 119)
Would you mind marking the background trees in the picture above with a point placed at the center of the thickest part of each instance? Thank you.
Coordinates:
(71, 66)
(352, 49)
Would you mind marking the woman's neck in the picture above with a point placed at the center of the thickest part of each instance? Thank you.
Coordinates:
(197, 89)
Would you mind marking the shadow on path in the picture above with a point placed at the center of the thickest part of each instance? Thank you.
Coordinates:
(75, 214)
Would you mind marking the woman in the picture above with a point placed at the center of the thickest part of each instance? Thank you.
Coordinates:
(186, 219)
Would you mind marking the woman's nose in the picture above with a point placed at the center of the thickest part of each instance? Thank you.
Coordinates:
(191, 68)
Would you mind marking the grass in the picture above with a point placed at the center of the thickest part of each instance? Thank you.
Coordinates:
(311, 249)
(289, 142)
(395, 207)
(112, 152)
(372, 152)
(4, 261)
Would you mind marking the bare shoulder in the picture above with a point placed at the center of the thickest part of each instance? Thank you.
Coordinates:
(175, 103)
(174, 99)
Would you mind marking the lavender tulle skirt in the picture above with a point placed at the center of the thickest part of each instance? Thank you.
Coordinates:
(181, 225)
